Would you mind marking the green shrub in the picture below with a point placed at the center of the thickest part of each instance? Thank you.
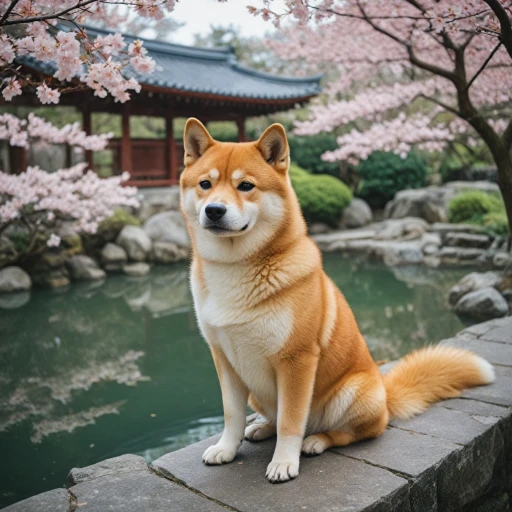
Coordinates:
(472, 205)
(385, 174)
(321, 197)
(496, 222)
(477, 207)
(306, 152)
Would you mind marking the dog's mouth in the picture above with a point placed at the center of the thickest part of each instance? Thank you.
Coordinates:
(222, 230)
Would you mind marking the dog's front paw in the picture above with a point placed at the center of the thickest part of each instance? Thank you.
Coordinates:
(260, 431)
(282, 471)
(219, 454)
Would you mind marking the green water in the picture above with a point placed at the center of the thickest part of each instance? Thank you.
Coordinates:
(101, 370)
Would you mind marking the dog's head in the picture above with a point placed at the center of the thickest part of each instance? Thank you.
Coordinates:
(236, 197)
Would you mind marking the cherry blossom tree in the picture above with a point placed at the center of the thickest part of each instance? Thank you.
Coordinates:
(405, 73)
(36, 200)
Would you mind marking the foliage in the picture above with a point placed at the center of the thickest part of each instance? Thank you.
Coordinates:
(477, 207)
(306, 152)
(321, 197)
(384, 174)
(473, 204)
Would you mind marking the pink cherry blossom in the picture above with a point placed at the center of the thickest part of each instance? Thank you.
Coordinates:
(47, 95)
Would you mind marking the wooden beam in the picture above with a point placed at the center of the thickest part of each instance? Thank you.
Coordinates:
(172, 163)
(87, 128)
(126, 143)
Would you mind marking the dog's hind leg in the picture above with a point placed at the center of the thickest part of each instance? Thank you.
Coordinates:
(260, 430)
(318, 443)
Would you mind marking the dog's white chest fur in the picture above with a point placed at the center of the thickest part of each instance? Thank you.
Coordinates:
(247, 329)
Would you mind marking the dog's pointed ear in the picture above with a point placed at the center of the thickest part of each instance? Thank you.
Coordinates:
(196, 140)
(273, 145)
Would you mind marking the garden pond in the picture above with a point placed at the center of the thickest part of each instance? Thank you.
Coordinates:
(102, 369)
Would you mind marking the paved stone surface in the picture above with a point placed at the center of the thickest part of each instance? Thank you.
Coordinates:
(399, 450)
(474, 407)
(57, 500)
(499, 392)
(495, 353)
(451, 425)
(118, 465)
(138, 492)
(326, 483)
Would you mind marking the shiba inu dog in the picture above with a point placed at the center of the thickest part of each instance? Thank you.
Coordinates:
(281, 334)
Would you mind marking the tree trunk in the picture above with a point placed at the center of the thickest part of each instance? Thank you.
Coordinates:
(504, 165)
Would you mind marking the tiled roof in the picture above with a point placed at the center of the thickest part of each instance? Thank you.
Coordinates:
(208, 71)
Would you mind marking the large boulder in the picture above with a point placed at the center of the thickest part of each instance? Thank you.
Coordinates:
(428, 203)
(167, 252)
(135, 242)
(471, 282)
(113, 257)
(159, 200)
(83, 268)
(483, 304)
(463, 186)
(14, 279)
(356, 215)
(168, 227)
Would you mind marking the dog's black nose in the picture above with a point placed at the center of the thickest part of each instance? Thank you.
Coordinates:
(214, 211)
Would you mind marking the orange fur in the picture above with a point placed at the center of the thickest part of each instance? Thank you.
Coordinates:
(282, 335)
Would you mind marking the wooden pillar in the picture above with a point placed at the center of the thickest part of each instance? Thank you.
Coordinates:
(172, 163)
(241, 129)
(126, 142)
(18, 159)
(87, 127)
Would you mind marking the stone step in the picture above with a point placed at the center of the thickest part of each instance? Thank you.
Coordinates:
(469, 240)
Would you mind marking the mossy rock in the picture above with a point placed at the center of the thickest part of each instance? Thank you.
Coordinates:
(73, 245)
(108, 230)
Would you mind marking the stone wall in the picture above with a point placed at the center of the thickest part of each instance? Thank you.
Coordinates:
(455, 457)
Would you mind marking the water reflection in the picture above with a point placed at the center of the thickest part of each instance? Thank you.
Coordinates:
(119, 366)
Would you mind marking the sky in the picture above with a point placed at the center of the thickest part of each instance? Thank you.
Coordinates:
(198, 15)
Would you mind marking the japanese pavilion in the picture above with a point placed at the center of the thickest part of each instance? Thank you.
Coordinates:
(205, 83)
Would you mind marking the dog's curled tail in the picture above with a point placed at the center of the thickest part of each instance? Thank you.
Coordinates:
(431, 374)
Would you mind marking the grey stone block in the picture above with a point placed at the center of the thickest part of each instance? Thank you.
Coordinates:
(57, 500)
(468, 473)
(500, 334)
(118, 465)
(138, 492)
(455, 426)
(399, 450)
(503, 324)
(330, 482)
(475, 407)
(495, 353)
(499, 392)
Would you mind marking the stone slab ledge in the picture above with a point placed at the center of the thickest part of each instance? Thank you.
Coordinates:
(455, 457)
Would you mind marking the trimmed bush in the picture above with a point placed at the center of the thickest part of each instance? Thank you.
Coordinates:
(321, 197)
(307, 151)
(477, 207)
(385, 174)
(472, 206)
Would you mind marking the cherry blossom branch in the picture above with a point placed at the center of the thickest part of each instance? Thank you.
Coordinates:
(505, 23)
(482, 67)
(45, 17)
(8, 11)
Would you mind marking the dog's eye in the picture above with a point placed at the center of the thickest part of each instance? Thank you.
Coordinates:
(205, 184)
(245, 186)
